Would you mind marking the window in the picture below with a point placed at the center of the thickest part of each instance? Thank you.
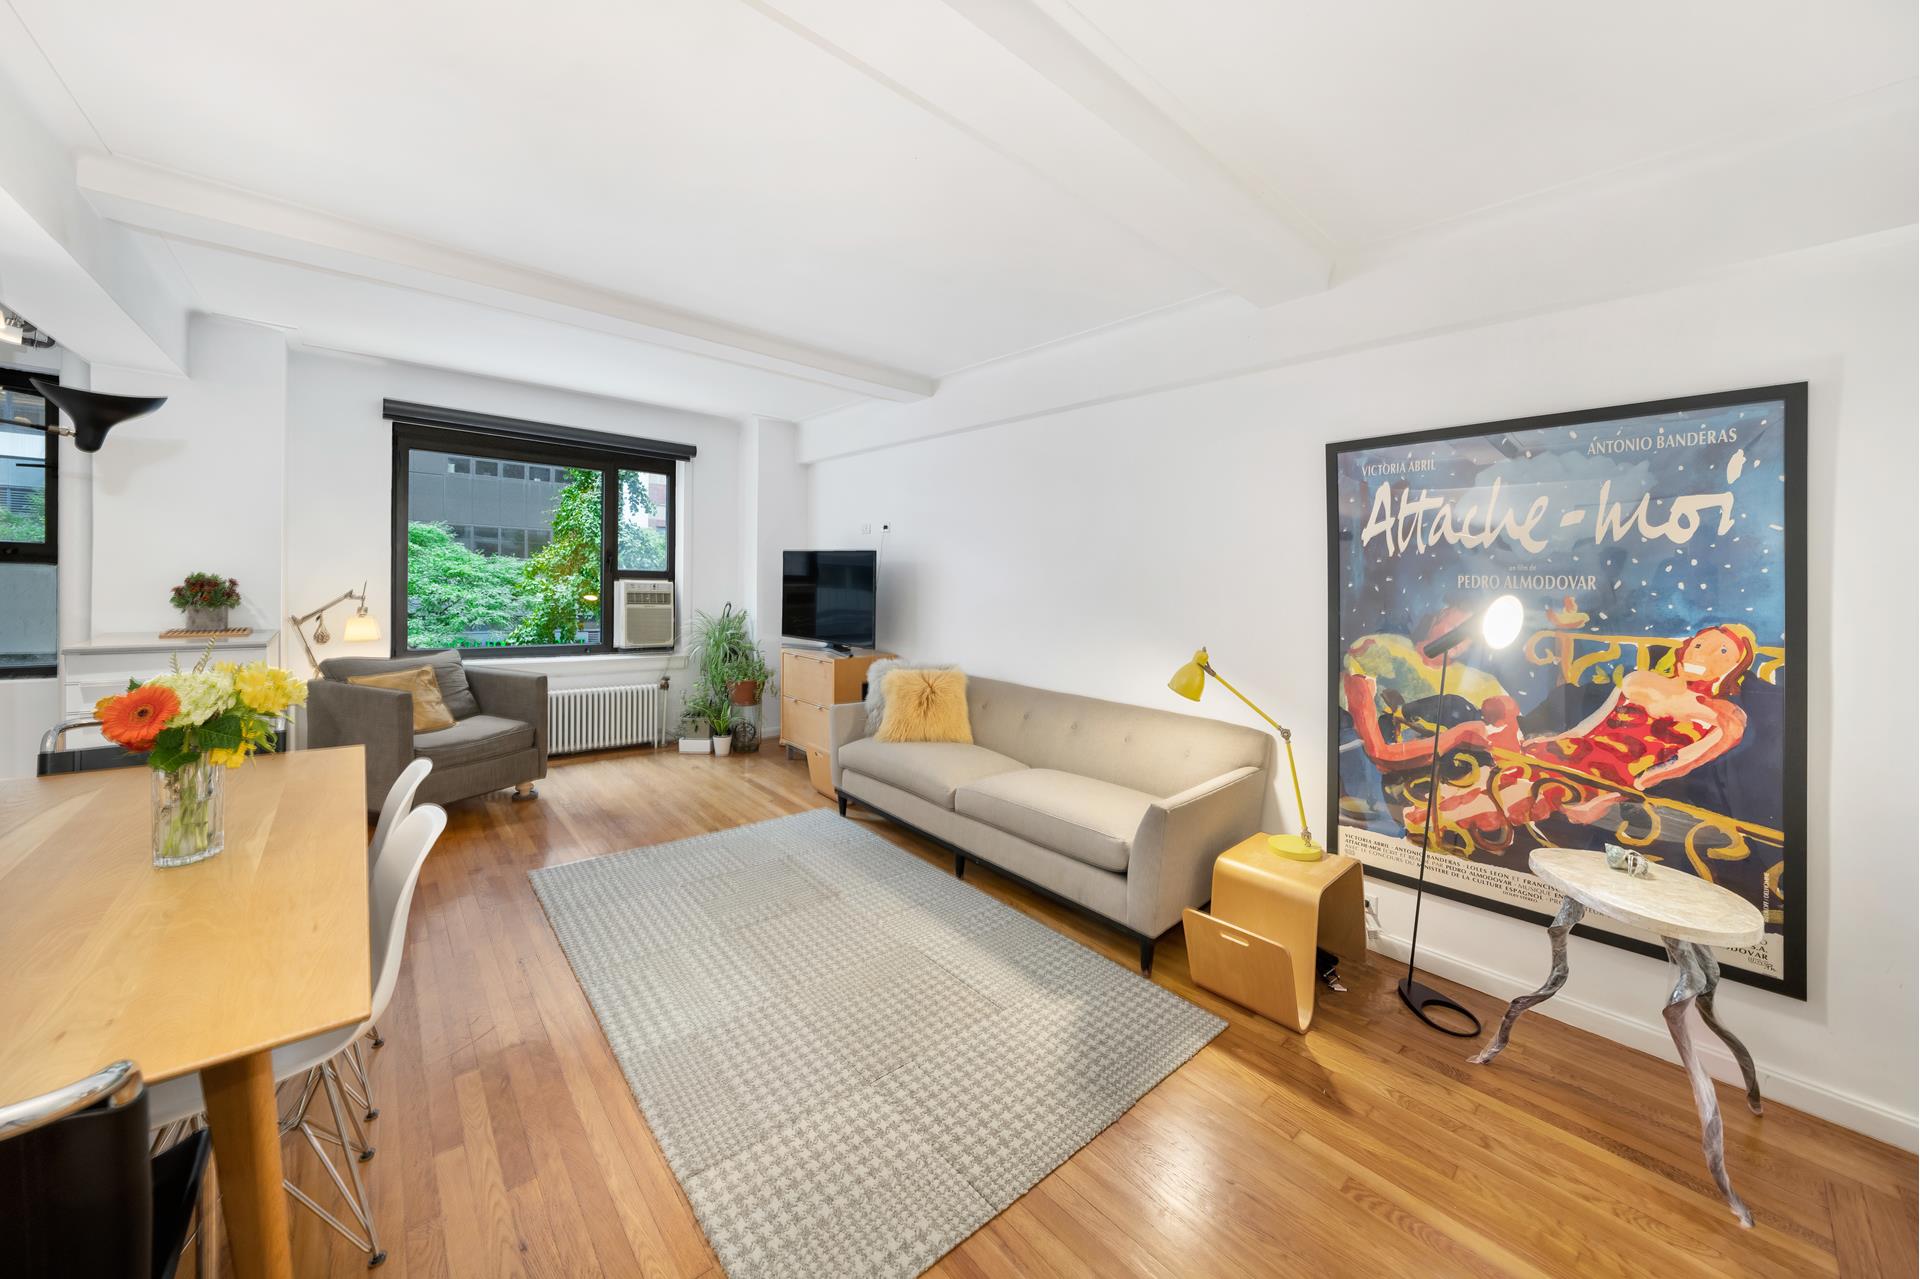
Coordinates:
(515, 564)
(29, 531)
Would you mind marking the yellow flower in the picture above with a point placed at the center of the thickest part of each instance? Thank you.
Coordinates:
(268, 690)
(227, 758)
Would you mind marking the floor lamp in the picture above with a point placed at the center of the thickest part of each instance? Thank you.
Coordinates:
(1498, 623)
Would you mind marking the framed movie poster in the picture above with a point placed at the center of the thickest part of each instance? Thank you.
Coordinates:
(1655, 698)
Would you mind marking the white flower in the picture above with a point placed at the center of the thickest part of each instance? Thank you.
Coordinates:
(202, 694)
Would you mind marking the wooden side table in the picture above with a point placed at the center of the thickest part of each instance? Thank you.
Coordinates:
(1270, 914)
(1689, 914)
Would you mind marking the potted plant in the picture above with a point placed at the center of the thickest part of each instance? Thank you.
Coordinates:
(695, 732)
(728, 658)
(205, 599)
(720, 717)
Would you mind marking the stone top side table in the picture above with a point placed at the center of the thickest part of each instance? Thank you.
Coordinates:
(1689, 915)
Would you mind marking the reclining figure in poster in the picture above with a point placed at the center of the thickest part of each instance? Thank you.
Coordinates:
(1655, 727)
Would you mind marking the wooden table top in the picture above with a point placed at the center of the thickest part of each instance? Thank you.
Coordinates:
(1670, 902)
(105, 957)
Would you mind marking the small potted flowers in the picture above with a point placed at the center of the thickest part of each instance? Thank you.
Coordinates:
(194, 725)
(205, 599)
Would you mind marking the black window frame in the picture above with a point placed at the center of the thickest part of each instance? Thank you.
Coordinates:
(47, 550)
(563, 448)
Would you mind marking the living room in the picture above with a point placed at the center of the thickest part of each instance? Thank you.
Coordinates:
(784, 589)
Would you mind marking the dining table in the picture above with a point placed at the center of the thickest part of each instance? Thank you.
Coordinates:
(207, 967)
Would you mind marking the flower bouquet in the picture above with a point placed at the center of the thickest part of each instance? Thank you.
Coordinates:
(192, 725)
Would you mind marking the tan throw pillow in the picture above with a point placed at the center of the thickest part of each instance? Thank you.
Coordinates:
(430, 714)
(925, 706)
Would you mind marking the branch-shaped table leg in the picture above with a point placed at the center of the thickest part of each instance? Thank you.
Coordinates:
(1687, 990)
(1711, 968)
(1571, 912)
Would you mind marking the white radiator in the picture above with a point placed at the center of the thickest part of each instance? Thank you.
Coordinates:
(591, 719)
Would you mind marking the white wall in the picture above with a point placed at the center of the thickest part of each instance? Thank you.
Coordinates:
(1093, 549)
(195, 486)
(773, 502)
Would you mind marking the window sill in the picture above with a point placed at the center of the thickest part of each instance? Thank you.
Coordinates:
(588, 665)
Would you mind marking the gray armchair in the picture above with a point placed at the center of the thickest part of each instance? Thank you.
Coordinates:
(498, 738)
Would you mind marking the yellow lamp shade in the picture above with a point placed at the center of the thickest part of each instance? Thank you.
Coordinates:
(361, 628)
(1191, 680)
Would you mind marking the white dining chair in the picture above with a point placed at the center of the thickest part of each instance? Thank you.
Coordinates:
(315, 1061)
(393, 810)
(398, 803)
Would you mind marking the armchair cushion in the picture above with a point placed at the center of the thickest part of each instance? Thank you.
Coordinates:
(475, 738)
(448, 672)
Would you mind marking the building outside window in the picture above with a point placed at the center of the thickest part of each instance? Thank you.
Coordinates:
(29, 535)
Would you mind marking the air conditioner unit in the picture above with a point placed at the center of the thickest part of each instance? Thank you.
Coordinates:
(643, 615)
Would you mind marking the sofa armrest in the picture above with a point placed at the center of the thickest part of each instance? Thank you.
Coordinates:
(514, 695)
(1171, 866)
(378, 719)
(845, 723)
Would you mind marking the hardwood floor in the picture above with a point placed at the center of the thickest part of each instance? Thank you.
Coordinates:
(510, 1145)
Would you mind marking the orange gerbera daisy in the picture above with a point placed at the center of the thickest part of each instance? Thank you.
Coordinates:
(136, 717)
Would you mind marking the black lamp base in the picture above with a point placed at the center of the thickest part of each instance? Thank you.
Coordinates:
(1419, 997)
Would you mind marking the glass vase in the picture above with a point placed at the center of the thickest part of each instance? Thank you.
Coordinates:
(189, 814)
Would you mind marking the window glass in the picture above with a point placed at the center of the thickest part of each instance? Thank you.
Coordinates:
(30, 622)
(530, 576)
(641, 522)
(23, 469)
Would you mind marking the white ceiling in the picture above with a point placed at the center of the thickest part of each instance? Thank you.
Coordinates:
(779, 206)
(1376, 119)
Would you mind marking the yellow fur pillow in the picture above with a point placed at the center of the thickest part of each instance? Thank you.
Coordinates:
(430, 714)
(925, 706)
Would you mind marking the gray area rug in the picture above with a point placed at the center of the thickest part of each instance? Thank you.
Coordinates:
(851, 1059)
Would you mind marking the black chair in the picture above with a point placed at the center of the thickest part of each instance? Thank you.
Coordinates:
(54, 760)
(79, 1193)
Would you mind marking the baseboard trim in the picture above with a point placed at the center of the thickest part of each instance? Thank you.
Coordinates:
(1849, 1111)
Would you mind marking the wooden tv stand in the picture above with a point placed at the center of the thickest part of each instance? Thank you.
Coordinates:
(811, 681)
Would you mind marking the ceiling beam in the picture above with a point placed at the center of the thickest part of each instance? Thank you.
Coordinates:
(185, 208)
(1009, 75)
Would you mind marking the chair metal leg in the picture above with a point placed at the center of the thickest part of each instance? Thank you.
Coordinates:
(1571, 912)
(374, 1036)
(357, 1060)
(1686, 991)
(353, 1190)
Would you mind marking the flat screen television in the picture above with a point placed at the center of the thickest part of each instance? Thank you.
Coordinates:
(830, 597)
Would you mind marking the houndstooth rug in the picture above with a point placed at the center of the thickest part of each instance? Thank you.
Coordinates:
(851, 1059)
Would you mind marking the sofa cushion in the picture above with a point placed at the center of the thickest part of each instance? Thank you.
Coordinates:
(931, 770)
(1087, 819)
(475, 738)
(455, 692)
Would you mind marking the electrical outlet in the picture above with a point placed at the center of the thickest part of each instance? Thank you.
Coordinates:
(866, 528)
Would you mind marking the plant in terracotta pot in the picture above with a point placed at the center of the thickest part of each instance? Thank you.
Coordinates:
(205, 599)
(728, 659)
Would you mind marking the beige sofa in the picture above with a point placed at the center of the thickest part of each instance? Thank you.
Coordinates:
(1116, 810)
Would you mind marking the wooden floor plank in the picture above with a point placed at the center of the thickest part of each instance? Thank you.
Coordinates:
(509, 1143)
